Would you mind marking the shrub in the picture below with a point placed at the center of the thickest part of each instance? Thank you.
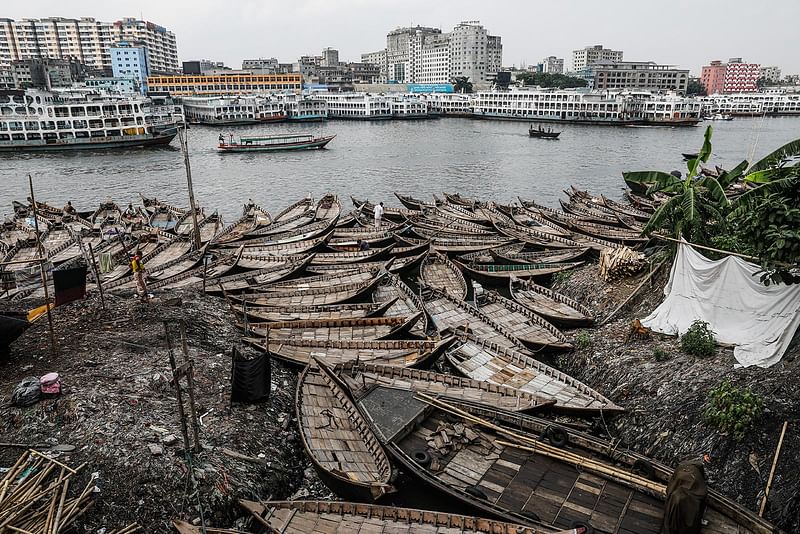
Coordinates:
(582, 340)
(733, 410)
(562, 277)
(699, 340)
(660, 354)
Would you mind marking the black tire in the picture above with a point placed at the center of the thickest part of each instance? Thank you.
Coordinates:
(421, 457)
(644, 468)
(476, 492)
(557, 437)
(587, 528)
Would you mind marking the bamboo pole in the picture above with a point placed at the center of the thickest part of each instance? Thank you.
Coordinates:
(97, 277)
(772, 471)
(41, 268)
(185, 148)
(712, 249)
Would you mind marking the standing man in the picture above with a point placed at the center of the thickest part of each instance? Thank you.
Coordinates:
(378, 214)
(138, 274)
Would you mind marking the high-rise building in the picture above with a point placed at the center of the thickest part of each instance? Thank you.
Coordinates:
(377, 58)
(86, 40)
(129, 60)
(713, 77)
(637, 75)
(591, 54)
(736, 76)
(770, 74)
(426, 55)
(330, 57)
(552, 65)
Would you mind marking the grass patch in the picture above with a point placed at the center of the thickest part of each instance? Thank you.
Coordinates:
(660, 354)
(699, 340)
(562, 277)
(583, 340)
(733, 410)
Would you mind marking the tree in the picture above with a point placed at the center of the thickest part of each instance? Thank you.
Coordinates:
(697, 207)
(695, 88)
(544, 79)
(461, 84)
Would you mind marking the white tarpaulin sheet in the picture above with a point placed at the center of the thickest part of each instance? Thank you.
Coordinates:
(728, 294)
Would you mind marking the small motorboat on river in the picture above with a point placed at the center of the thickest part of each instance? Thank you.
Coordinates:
(541, 133)
(273, 143)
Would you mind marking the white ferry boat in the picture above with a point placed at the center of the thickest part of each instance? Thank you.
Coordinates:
(625, 108)
(35, 120)
(449, 104)
(233, 110)
(754, 104)
(409, 107)
(304, 108)
(362, 106)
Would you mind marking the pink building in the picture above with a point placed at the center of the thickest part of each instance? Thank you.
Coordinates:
(741, 77)
(713, 77)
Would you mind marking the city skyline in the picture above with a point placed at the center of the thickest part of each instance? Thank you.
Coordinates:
(249, 30)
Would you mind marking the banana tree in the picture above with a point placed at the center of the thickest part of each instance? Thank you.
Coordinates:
(694, 201)
(777, 172)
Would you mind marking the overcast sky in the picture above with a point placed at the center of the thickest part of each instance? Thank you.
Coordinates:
(688, 33)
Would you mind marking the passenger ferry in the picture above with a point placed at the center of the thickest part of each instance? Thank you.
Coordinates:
(303, 108)
(449, 104)
(35, 120)
(362, 106)
(624, 108)
(273, 143)
(233, 110)
(409, 107)
(754, 104)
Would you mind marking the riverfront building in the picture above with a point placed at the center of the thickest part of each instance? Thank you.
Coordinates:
(735, 76)
(592, 54)
(551, 65)
(637, 75)
(427, 55)
(378, 59)
(129, 60)
(86, 40)
(770, 74)
(225, 84)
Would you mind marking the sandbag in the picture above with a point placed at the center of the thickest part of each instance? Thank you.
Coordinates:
(251, 380)
(27, 392)
(686, 499)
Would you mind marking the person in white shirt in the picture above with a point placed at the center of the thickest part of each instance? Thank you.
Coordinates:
(378, 214)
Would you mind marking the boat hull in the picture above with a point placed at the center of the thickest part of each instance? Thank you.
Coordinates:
(132, 141)
(315, 144)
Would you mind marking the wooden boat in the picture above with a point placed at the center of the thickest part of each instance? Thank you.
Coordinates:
(370, 232)
(643, 203)
(336, 517)
(360, 377)
(590, 214)
(303, 219)
(342, 294)
(320, 281)
(404, 302)
(298, 313)
(296, 209)
(455, 198)
(348, 258)
(485, 256)
(274, 143)
(439, 272)
(689, 155)
(253, 218)
(453, 211)
(238, 283)
(459, 245)
(333, 329)
(626, 210)
(302, 233)
(449, 314)
(403, 352)
(496, 461)
(367, 208)
(541, 133)
(328, 207)
(409, 250)
(106, 215)
(502, 255)
(166, 253)
(623, 236)
(413, 203)
(434, 222)
(498, 273)
(480, 359)
(450, 232)
(550, 304)
(163, 219)
(337, 440)
(351, 243)
(255, 253)
(185, 225)
(531, 330)
(394, 265)
(535, 236)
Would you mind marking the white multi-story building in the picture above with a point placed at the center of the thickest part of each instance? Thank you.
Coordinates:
(776, 103)
(86, 39)
(552, 65)
(770, 74)
(474, 53)
(377, 58)
(591, 54)
(426, 55)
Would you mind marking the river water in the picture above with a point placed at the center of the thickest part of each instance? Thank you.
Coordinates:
(483, 158)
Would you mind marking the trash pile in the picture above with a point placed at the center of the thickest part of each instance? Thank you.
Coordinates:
(117, 413)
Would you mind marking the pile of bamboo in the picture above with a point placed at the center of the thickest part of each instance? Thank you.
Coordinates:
(34, 496)
(616, 263)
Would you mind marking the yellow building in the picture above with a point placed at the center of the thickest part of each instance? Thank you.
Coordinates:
(224, 84)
